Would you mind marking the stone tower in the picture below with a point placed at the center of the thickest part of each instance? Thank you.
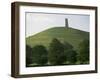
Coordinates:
(66, 23)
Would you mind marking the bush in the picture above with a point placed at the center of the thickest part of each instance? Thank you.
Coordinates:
(39, 55)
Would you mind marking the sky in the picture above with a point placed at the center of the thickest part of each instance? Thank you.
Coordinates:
(38, 22)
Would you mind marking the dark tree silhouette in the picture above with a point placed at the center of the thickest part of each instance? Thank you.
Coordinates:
(28, 55)
(83, 55)
(56, 53)
(67, 46)
(39, 55)
(71, 55)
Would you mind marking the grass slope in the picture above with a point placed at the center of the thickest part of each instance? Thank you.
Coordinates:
(73, 36)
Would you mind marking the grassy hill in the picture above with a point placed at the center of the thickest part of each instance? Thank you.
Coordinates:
(73, 36)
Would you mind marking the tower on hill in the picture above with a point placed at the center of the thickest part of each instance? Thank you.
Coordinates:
(66, 23)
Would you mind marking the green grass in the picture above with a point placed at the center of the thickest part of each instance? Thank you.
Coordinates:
(73, 36)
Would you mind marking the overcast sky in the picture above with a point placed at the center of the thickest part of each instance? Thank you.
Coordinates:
(37, 22)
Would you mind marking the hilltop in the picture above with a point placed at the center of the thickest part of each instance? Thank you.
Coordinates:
(70, 35)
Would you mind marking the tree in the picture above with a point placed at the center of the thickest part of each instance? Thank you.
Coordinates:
(56, 53)
(39, 55)
(71, 55)
(28, 55)
(83, 55)
(67, 46)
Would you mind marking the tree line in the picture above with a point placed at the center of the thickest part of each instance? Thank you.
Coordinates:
(58, 53)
